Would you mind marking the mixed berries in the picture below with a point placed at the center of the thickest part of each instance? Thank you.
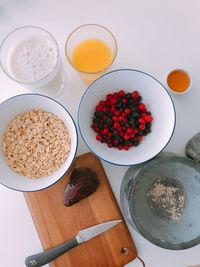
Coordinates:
(121, 120)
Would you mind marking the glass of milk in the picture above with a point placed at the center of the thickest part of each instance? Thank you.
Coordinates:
(30, 56)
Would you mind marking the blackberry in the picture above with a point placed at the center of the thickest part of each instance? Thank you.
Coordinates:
(98, 113)
(136, 114)
(129, 96)
(139, 98)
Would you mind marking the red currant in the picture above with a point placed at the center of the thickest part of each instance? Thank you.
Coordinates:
(141, 121)
(116, 95)
(148, 118)
(132, 136)
(98, 107)
(115, 118)
(109, 96)
(130, 131)
(142, 107)
(117, 113)
(124, 100)
(105, 110)
(127, 110)
(121, 118)
(116, 141)
(113, 100)
(96, 129)
(126, 137)
(121, 93)
(135, 94)
(99, 137)
(116, 125)
(105, 131)
(102, 103)
(142, 127)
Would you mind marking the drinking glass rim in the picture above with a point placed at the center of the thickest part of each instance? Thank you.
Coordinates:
(47, 75)
(91, 24)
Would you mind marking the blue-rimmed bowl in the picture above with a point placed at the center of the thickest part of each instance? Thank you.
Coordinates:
(21, 103)
(157, 100)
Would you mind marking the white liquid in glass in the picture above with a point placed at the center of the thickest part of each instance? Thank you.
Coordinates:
(35, 63)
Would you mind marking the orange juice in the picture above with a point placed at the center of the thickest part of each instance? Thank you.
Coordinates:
(91, 56)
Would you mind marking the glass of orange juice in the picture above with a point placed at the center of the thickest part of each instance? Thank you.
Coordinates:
(91, 49)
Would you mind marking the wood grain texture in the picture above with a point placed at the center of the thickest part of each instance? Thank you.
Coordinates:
(56, 223)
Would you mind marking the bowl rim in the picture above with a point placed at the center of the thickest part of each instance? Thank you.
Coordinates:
(75, 127)
(110, 73)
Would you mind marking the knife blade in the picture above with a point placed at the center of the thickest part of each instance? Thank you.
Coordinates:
(84, 235)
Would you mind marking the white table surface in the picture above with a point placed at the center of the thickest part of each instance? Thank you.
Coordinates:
(154, 36)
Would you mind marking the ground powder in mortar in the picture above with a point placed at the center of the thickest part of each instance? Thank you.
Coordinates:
(166, 198)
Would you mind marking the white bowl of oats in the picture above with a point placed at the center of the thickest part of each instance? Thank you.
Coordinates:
(38, 142)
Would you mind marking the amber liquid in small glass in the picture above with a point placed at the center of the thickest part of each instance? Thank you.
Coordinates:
(178, 81)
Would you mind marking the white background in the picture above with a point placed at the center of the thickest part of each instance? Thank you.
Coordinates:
(154, 36)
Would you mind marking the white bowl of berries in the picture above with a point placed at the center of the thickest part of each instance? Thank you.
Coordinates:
(126, 117)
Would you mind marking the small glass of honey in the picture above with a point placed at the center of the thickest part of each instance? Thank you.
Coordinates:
(179, 81)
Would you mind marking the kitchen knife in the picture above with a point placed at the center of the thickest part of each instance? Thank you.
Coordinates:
(49, 255)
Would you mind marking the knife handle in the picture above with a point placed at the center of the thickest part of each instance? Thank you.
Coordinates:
(49, 255)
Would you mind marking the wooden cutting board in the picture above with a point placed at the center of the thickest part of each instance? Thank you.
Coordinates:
(56, 223)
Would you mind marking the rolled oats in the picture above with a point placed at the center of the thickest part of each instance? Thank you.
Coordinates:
(36, 143)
